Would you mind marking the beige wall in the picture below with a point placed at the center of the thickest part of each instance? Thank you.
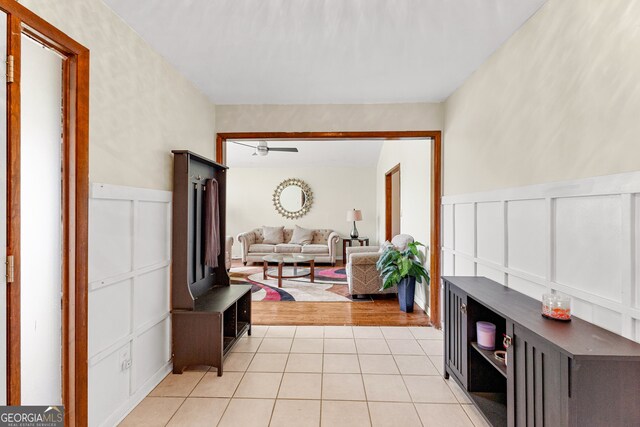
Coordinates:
(335, 190)
(414, 158)
(559, 100)
(141, 108)
(327, 118)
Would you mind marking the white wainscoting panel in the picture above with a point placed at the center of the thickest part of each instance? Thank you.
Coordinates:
(595, 223)
(129, 285)
(114, 303)
(447, 225)
(110, 253)
(580, 237)
(490, 272)
(490, 230)
(463, 236)
(464, 266)
(526, 249)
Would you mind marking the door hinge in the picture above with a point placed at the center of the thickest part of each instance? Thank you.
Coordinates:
(10, 269)
(10, 69)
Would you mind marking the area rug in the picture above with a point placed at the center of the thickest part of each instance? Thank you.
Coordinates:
(330, 286)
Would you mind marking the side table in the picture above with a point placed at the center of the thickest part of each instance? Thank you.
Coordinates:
(364, 241)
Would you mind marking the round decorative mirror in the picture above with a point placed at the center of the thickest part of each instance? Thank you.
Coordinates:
(292, 198)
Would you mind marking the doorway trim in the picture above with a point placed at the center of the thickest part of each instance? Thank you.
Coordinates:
(388, 201)
(435, 183)
(75, 203)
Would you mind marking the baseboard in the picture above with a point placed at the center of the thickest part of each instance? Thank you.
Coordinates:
(137, 397)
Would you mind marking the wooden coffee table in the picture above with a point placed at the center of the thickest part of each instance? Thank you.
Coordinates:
(288, 267)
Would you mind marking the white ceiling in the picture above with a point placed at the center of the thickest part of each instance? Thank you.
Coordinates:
(325, 51)
(327, 153)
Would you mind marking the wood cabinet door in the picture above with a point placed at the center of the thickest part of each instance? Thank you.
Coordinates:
(456, 351)
(537, 383)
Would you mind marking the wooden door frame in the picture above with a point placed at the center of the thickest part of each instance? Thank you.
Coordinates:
(75, 203)
(435, 183)
(388, 201)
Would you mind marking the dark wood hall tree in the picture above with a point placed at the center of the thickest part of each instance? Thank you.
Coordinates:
(208, 314)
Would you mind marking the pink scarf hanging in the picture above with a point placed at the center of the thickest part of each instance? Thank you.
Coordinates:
(212, 238)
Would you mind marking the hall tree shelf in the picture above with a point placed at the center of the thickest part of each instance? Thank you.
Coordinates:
(208, 314)
(557, 373)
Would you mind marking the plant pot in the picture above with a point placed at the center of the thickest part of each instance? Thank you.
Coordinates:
(406, 294)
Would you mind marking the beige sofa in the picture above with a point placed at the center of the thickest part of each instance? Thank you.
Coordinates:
(323, 245)
(362, 276)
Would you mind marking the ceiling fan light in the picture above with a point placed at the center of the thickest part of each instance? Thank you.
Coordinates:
(262, 152)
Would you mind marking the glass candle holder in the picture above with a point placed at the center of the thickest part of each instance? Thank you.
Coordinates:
(556, 307)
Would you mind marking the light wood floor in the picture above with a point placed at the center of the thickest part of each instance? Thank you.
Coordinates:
(380, 312)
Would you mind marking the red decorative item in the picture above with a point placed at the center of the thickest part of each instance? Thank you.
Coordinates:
(556, 307)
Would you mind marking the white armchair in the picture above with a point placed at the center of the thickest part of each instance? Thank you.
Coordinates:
(228, 247)
(362, 276)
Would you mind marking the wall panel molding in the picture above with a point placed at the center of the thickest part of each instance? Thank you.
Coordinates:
(577, 237)
(129, 287)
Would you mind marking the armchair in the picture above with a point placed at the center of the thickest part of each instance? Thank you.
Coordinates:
(228, 246)
(362, 276)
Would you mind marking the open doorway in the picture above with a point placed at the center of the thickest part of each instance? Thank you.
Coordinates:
(430, 179)
(392, 202)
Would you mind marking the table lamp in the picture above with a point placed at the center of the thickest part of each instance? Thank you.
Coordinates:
(354, 215)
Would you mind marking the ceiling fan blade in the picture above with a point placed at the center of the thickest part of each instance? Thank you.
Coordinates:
(288, 150)
(246, 145)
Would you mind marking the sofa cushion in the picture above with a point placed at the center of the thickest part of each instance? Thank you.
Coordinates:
(301, 236)
(262, 248)
(273, 235)
(321, 236)
(287, 248)
(258, 236)
(315, 249)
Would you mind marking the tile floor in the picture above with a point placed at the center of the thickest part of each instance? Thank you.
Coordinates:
(316, 376)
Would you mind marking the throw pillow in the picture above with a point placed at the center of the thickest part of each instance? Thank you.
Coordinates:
(384, 246)
(273, 235)
(301, 236)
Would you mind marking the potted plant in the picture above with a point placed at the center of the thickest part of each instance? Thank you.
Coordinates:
(403, 268)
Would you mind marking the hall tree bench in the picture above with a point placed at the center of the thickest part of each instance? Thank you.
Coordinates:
(204, 335)
(208, 314)
(557, 373)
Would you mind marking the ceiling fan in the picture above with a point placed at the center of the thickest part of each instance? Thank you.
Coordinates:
(262, 149)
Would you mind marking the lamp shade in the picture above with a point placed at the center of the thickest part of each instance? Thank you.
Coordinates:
(354, 215)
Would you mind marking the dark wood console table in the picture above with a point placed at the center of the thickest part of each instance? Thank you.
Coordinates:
(557, 373)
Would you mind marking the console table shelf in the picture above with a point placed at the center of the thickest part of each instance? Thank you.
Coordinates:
(557, 373)
(492, 405)
(489, 357)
